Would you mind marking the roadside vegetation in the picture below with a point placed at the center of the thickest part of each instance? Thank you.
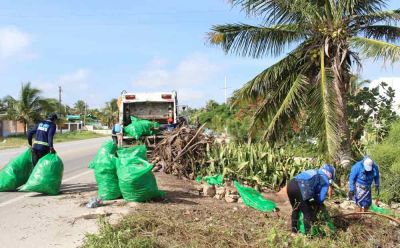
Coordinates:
(202, 226)
(21, 140)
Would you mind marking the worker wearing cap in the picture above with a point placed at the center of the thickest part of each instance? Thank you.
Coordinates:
(360, 180)
(307, 192)
(44, 133)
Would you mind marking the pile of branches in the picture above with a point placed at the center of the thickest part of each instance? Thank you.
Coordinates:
(182, 152)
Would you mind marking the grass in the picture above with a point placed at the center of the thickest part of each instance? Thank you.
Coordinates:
(169, 226)
(21, 140)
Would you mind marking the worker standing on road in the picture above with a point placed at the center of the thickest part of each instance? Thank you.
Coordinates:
(117, 134)
(307, 193)
(360, 180)
(44, 133)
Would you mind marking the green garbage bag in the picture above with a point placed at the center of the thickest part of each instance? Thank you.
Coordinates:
(324, 225)
(214, 180)
(16, 172)
(136, 181)
(211, 180)
(132, 153)
(254, 199)
(379, 210)
(105, 171)
(46, 177)
(139, 128)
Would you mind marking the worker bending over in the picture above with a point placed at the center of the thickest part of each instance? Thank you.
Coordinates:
(44, 133)
(307, 193)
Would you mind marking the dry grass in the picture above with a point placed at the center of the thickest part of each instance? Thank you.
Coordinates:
(198, 226)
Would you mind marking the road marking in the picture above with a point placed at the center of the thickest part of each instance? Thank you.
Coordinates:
(76, 176)
(3, 204)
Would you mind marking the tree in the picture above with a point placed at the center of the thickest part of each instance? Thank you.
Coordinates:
(79, 107)
(328, 37)
(28, 108)
(111, 112)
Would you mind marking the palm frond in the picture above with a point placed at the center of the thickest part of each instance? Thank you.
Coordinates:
(388, 17)
(269, 79)
(323, 104)
(280, 11)
(376, 49)
(382, 32)
(255, 41)
(363, 7)
(285, 109)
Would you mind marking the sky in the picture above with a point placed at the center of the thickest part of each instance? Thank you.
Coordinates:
(94, 49)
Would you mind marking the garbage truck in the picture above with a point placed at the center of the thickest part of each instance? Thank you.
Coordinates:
(161, 107)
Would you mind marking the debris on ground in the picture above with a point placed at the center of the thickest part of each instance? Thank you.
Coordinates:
(95, 202)
(182, 151)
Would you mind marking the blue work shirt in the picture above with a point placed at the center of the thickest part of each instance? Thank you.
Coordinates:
(359, 175)
(44, 133)
(314, 184)
(116, 129)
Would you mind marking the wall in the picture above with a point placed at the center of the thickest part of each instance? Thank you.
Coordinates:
(11, 128)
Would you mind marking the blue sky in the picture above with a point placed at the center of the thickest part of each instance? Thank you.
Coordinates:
(95, 49)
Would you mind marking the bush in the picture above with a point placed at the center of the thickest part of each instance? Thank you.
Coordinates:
(387, 157)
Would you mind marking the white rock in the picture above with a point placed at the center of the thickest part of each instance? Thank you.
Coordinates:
(231, 198)
(209, 190)
(395, 205)
(220, 191)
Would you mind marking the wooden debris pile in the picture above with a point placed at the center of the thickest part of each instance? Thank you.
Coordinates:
(182, 152)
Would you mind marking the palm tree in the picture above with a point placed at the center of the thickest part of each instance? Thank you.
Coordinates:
(111, 112)
(79, 107)
(27, 108)
(312, 80)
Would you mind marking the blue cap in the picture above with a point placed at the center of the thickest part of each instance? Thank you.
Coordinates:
(329, 171)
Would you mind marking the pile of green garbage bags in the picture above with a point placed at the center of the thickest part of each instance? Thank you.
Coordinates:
(44, 178)
(139, 128)
(124, 172)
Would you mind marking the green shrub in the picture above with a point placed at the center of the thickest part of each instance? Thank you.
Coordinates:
(387, 157)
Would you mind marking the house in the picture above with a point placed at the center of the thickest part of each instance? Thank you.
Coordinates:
(8, 128)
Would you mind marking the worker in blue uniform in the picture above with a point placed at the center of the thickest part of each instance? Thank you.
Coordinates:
(307, 192)
(44, 133)
(360, 180)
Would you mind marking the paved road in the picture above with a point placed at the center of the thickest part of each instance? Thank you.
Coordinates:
(75, 155)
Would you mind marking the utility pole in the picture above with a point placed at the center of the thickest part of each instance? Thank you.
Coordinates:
(84, 116)
(59, 105)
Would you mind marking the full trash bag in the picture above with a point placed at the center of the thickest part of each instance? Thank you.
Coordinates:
(105, 171)
(46, 177)
(322, 227)
(254, 199)
(136, 181)
(139, 128)
(16, 172)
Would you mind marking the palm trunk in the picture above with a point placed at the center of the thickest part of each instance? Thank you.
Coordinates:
(25, 128)
(343, 152)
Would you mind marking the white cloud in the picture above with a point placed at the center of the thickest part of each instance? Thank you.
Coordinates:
(193, 78)
(191, 71)
(13, 42)
(186, 94)
(393, 82)
(78, 78)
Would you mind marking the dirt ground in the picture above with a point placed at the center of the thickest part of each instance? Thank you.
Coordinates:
(63, 220)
